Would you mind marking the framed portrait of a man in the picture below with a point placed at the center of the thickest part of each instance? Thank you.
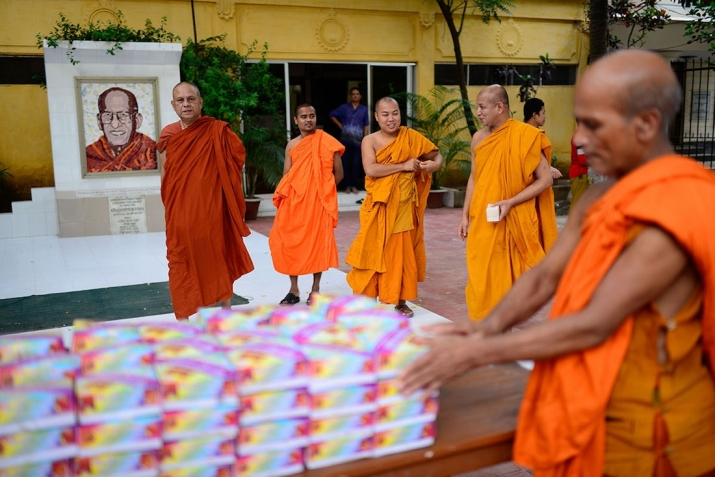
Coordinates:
(118, 125)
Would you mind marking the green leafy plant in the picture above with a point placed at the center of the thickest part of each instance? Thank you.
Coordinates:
(441, 120)
(116, 33)
(247, 96)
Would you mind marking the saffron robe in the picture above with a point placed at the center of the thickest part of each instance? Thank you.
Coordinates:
(138, 155)
(499, 252)
(562, 426)
(204, 211)
(388, 255)
(302, 239)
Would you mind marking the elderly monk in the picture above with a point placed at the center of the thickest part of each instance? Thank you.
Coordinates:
(201, 163)
(121, 147)
(388, 255)
(509, 171)
(623, 383)
(302, 239)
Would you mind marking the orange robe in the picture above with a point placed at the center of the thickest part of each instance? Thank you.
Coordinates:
(204, 203)
(302, 239)
(138, 155)
(498, 253)
(562, 422)
(388, 255)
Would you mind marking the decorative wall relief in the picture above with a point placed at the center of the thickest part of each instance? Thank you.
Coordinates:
(509, 38)
(426, 19)
(332, 34)
(225, 9)
(105, 12)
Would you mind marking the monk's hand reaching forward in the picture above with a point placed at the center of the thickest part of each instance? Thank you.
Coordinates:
(449, 356)
(504, 208)
(411, 165)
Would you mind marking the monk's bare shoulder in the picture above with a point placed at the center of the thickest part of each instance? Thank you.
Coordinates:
(369, 140)
(479, 136)
(292, 143)
(588, 198)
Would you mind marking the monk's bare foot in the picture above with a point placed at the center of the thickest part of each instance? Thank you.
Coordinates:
(309, 301)
(226, 304)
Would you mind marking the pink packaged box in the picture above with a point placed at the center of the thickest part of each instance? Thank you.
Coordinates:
(191, 383)
(273, 405)
(334, 366)
(223, 320)
(49, 468)
(51, 369)
(389, 393)
(337, 451)
(395, 352)
(90, 336)
(125, 435)
(36, 407)
(268, 367)
(408, 411)
(124, 464)
(329, 334)
(107, 396)
(159, 332)
(191, 348)
(343, 400)
(297, 314)
(200, 471)
(270, 464)
(117, 358)
(237, 339)
(351, 303)
(273, 435)
(221, 420)
(28, 447)
(21, 347)
(405, 438)
(202, 451)
(350, 425)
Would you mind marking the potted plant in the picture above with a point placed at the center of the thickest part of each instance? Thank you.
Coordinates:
(440, 118)
(250, 99)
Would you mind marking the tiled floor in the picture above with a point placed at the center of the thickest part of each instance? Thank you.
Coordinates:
(42, 265)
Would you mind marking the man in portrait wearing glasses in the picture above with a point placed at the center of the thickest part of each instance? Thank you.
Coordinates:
(121, 147)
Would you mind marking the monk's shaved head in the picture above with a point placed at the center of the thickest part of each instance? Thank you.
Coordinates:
(638, 80)
(386, 100)
(495, 94)
(191, 85)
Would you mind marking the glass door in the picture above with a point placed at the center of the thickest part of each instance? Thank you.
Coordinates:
(388, 79)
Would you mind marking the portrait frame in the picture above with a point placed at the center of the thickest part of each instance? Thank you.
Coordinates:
(91, 128)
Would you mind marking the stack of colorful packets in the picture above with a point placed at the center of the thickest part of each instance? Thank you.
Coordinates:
(201, 406)
(274, 402)
(118, 403)
(37, 419)
(342, 386)
(402, 423)
(220, 320)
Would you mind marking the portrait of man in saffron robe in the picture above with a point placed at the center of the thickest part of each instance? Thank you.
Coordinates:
(114, 138)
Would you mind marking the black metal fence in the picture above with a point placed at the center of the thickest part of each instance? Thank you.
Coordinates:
(693, 132)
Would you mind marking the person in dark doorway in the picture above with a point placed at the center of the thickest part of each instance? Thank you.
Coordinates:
(354, 121)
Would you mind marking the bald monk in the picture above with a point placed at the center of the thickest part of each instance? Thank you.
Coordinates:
(302, 239)
(201, 163)
(388, 255)
(510, 170)
(623, 383)
(120, 147)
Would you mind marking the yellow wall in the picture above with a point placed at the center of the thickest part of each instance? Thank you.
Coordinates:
(301, 30)
(25, 145)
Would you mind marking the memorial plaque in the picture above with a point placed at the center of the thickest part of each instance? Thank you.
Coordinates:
(127, 215)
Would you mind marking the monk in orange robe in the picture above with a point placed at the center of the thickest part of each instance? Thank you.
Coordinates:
(624, 382)
(202, 159)
(302, 239)
(509, 171)
(121, 147)
(388, 255)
